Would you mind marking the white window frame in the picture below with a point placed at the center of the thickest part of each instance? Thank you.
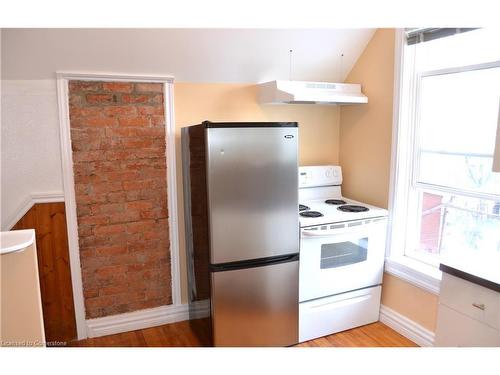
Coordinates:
(404, 203)
(414, 220)
(397, 264)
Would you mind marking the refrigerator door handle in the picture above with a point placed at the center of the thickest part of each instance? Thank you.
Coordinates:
(261, 262)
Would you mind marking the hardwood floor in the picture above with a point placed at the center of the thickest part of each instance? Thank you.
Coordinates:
(181, 335)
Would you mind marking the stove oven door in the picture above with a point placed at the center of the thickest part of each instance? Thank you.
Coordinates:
(341, 257)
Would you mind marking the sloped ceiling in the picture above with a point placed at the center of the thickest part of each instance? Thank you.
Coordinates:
(190, 55)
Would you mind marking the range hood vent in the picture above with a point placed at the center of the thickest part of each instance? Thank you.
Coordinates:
(301, 92)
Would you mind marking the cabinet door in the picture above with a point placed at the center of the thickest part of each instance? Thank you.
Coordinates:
(470, 299)
(456, 329)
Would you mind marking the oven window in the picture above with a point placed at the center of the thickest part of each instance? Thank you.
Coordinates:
(343, 253)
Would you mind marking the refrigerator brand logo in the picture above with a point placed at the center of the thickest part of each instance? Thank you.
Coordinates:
(288, 136)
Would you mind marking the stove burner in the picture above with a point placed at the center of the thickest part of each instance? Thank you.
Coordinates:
(303, 207)
(352, 208)
(335, 201)
(311, 214)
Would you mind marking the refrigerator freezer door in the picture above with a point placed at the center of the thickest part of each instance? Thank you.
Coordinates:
(253, 192)
(256, 306)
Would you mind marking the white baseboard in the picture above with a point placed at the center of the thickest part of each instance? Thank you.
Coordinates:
(141, 319)
(30, 201)
(406, 327)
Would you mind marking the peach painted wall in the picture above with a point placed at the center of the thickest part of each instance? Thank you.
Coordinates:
(365, 157)
(410, 301)
(196, 102)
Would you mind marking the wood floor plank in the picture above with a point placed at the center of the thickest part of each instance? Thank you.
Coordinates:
(181, 334)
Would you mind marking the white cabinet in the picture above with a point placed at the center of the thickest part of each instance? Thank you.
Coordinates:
(468, 314)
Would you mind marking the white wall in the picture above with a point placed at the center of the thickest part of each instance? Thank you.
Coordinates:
(191, 55)
(31, 158)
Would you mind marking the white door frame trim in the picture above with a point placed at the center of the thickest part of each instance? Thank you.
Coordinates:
(69, 183)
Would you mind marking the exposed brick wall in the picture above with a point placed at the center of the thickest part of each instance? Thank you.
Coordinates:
(118, 142)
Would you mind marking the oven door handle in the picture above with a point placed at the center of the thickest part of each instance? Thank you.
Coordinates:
(325, 233)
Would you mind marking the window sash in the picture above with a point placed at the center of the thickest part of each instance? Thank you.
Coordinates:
(415, 150)
(412, 196)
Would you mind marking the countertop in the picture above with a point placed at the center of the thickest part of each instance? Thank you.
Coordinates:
(482, 270)
(16, 240)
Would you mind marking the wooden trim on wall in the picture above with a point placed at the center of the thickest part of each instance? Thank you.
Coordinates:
(69, 184)
(28, 203)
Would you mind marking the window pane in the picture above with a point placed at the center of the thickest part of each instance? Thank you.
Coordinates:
(458, 120)
(343, 253)
(452, 223)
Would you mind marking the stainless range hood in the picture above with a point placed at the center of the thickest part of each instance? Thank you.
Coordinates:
(302, 92)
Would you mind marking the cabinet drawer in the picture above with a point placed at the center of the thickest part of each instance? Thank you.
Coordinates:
(470, 299)
(328, 315)
(456, 329)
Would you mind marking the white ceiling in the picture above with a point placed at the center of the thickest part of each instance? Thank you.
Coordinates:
(190, 55)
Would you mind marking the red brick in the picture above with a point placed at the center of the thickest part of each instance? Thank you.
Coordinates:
(111, 270)
(118, 86)
(106, 208)
(118, 196)
(149, 87)
(156, 99)
(88, 156)
(119, 110)
(110, 229)
(139, 184)
(91, 198)
(139, 226)
(129, 98)
(135, 143)
(86, 230)
(158, 120)
(90, 293)
(122, 175)
(133, 121)
(144, 132)
(100, 98)
(92, 303)
(113, 289)
(139, 205)
(82, 209)
(155, 214)
(125, 217)
(93, 220)
(155, 293)
(110, 250)
(107, 187)
(100, 121)
(150, 110)
(119, 155)
(149, 153)
(85, 112)
(84, 86)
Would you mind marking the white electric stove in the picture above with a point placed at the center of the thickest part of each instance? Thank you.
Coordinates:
(342, 250)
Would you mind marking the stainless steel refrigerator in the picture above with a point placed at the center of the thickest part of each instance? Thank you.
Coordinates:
(242, 232)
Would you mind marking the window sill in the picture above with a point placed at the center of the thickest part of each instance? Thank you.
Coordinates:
(417, 273)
